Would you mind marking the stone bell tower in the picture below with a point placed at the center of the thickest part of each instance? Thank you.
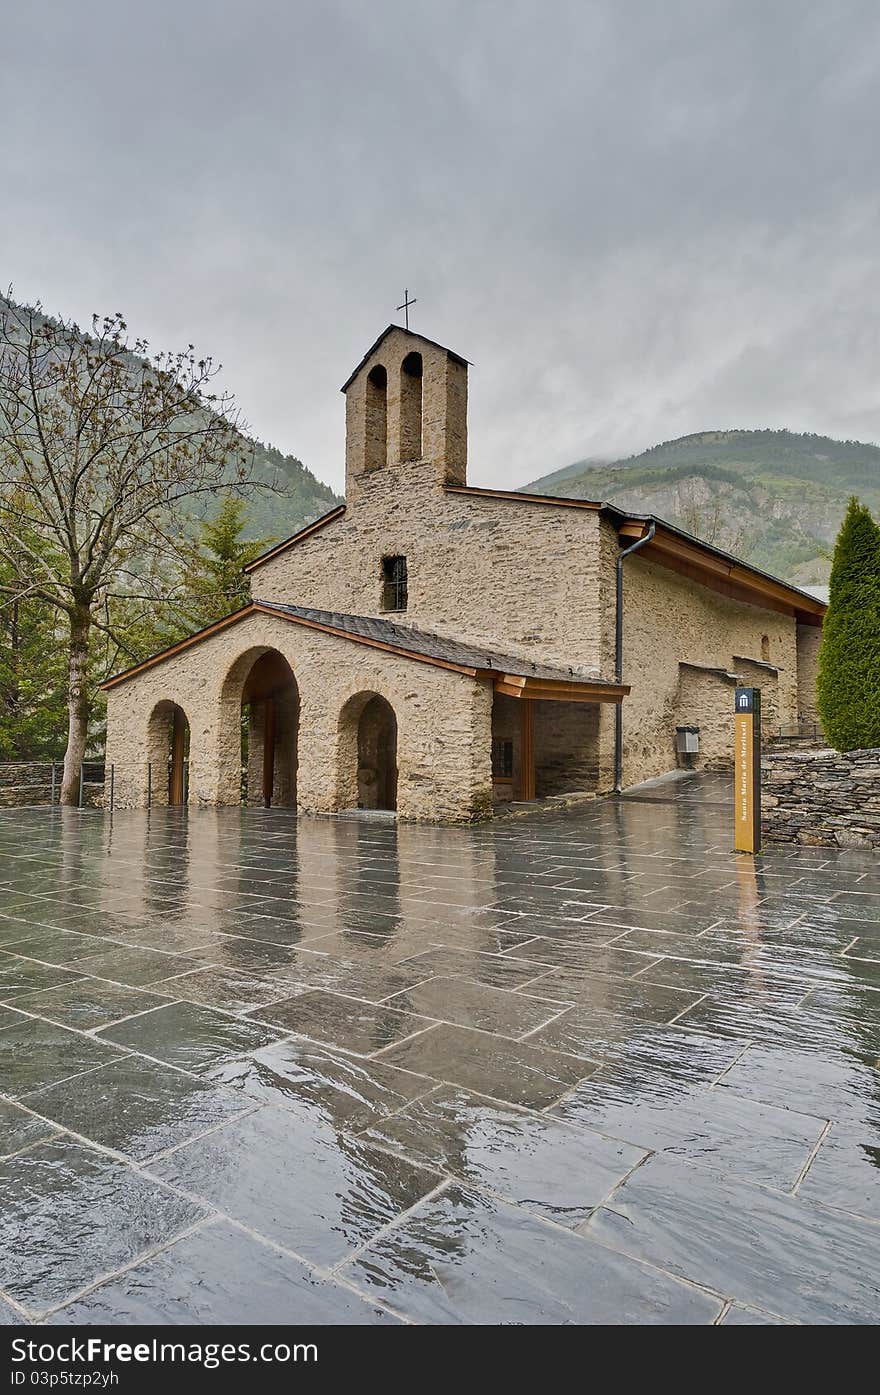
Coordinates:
(406, 403)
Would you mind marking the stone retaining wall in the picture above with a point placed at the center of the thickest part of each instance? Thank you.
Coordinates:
(24, 783)
(822, 797)
(29, 784)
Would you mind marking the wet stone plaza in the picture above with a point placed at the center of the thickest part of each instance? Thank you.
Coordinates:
(583, 1066)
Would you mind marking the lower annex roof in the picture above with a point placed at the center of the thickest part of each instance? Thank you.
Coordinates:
(511, 675)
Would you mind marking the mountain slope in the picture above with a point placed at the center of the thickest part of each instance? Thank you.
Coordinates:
(302, 498)
(296, 498)
(776, 498)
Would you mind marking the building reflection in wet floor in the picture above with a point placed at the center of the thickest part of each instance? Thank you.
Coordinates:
(585, 1067)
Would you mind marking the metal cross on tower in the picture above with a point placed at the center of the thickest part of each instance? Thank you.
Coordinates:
(406, 304)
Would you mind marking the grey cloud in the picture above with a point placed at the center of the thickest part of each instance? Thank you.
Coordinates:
(637, 219)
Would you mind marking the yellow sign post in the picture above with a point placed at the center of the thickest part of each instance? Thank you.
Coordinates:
(747, 770)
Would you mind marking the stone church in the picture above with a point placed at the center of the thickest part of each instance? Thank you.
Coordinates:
(438, 649)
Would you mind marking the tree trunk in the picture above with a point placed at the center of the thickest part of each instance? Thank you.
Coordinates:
(77, 703)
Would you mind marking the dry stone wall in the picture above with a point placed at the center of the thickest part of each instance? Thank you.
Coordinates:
(824, 798)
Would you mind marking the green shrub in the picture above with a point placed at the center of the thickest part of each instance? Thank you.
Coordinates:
(849, 659)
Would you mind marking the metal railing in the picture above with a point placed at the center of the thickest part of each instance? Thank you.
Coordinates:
(800, 731)
(36, 784)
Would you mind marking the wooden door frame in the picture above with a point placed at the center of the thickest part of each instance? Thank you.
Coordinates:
(177, 780)
(269, 733)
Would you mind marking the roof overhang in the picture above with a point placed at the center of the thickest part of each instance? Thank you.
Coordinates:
(551, 690)
(720, 572)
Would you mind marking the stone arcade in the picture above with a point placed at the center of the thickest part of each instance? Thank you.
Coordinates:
(436, 648)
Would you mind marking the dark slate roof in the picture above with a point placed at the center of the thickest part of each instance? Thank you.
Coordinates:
(432, 646)
(724, 674)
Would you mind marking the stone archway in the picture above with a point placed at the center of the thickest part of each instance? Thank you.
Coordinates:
(260, 705)
(168, 750)
(368, 753)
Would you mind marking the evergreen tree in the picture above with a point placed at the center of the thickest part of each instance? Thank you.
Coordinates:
(33, 688)
(33, 680)
(849, 659)
(217, 583)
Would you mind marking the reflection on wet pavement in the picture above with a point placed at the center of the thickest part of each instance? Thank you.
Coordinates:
(585, 1067)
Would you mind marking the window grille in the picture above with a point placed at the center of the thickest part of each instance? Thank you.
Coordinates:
(502, 759)
(394, 589)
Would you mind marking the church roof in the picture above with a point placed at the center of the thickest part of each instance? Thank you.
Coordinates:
(427, 645)
(511, 675)
(411, 334)
(671, 547)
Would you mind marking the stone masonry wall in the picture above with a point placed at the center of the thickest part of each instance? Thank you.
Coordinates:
(669, 619)
(537, 581)
(444, 721)
(443, 435)
(705, 700)
(809, 639)
(518, 576)
(826, 798)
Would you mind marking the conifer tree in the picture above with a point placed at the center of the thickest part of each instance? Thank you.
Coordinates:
(217, 582)
(849, 658)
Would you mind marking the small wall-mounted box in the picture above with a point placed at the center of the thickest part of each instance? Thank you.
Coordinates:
(687, 741)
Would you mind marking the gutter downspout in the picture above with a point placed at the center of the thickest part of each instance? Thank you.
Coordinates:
(618, 651)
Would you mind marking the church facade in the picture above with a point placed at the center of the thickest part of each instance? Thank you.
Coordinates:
(439, 649)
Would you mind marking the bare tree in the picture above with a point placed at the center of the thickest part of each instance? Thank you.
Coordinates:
(102, 446)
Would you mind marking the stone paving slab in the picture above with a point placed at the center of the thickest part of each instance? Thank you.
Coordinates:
(348, 1023)
(84, 1213)
(466, 1258)
(482, 1061)
(305, 1076)
(87, 1003)
(547, 1167)
(20, 1129)
(34, 1053)
(577, 1067)
(297, 1182)
(220, 1274)
(136, 1106)
(781, 1253)
(188, 1035)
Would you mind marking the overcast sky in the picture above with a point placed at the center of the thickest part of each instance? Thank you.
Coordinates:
(636, 219)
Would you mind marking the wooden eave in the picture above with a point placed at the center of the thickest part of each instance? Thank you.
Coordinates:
(517, 497)
(558, 690)
(724, 575)
(295, 538)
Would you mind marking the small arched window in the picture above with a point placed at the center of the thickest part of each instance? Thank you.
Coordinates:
(411, 407)
(765, 648)
(376, 425)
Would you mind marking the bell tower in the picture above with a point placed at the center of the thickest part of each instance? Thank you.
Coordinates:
(406, 404)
